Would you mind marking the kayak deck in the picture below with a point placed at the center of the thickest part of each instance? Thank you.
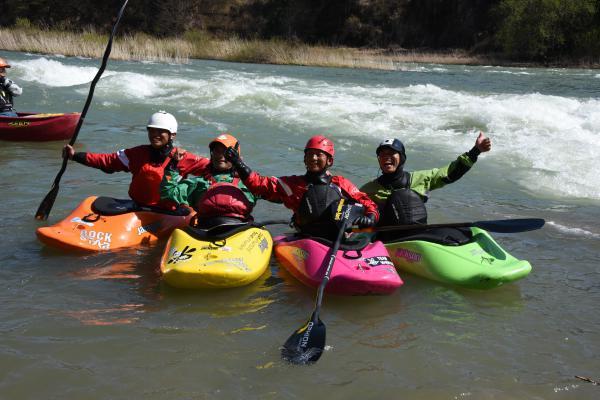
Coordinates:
(479, 264)
(234, 260)
(356, 271)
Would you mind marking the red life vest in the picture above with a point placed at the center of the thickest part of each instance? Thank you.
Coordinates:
(145, 184)
(224, 199)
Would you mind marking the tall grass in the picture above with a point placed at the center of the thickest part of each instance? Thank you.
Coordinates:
(198, 44)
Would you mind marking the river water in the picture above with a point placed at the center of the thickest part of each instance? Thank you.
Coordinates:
(103, 326)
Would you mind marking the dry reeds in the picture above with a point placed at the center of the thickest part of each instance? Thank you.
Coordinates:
(195, 44)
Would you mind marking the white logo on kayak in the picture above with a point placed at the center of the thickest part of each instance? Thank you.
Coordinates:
(378, 260)
(80, 221)
(94, 238)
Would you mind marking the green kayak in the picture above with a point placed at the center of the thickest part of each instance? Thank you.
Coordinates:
(466, 257)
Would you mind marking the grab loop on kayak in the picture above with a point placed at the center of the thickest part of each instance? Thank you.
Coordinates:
(348, 256)
(89, 218)
(220, 243)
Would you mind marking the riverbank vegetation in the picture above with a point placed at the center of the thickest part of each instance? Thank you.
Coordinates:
(358, 33)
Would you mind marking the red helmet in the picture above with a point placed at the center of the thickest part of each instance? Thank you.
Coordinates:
(320, 142)
(4, 63)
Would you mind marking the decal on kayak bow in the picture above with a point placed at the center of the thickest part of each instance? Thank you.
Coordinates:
(378, 260)
(255, 239)
(182, 255)
(150, 228)
(96, 238)
(408, 255)
(19, 124)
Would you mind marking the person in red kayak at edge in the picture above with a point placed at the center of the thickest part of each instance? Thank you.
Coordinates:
(309, 196)
(146, 163)
(215, 192)
(8, 89)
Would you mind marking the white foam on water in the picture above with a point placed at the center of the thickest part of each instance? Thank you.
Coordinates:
(574, 231)
(56, 74)
(548, 144)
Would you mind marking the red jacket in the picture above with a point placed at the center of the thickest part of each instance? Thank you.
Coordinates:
(289, 190)
(147, 175)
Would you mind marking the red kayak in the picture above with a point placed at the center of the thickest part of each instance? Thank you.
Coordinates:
(32, 127)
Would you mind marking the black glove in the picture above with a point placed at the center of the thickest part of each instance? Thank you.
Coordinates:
(365, 221)
(2, 80)
(242, 169)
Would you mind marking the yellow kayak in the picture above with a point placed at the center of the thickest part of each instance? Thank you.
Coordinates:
(223, 257)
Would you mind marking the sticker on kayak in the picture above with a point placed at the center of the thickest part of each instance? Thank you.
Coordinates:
(19, 124)
(95, 238)
(253, 240)
(236, 262)
(150, 228)
(408, 255)
(182, 255)
(378, 260)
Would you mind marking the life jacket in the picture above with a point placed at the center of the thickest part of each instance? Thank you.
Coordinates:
(314, 216)
(145, 184)
(404, 207)
(6, 100)
(224, 199)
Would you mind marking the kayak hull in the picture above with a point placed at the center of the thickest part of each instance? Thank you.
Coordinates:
(34, 127)
(365, 272)
(479, 264)
(86, 230)
(236, 260)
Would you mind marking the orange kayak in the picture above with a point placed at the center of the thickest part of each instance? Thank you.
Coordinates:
(103, 223)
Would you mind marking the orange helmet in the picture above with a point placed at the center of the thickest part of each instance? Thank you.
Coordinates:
(3, 63)
(226, 140)
(320, 142)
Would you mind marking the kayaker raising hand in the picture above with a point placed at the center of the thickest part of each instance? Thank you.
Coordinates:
(401, 195)
(215, 192)
(146, 162)
(311, 195)
(8, 89)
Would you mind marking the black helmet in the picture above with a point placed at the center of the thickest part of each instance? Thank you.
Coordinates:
(394, 144)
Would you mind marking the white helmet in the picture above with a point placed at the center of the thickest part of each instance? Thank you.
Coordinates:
(163, 120)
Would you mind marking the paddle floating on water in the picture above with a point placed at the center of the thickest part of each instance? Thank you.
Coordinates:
(46, 204)
(307, 343)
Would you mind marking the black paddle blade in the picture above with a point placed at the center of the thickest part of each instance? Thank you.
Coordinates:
(511, 225)
(306, 345)
(46, 204)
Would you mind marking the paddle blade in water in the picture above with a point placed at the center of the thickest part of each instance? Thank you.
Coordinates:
(306, 345)
(46, 204)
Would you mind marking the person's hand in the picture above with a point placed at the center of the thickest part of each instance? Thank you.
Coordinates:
(483, 143)
(232, 155)
(68, 152)
(2, 79)
(178, 154)
(365, 221)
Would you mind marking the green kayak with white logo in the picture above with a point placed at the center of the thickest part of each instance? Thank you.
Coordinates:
(468, 257)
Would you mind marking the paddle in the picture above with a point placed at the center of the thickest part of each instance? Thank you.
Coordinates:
(306, 344)
(46, 204)
(500, 225)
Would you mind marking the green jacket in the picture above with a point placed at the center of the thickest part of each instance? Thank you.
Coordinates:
(188, 191)
(423, 181)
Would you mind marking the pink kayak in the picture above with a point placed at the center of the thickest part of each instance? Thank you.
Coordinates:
(359, 269)
(31, 127)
